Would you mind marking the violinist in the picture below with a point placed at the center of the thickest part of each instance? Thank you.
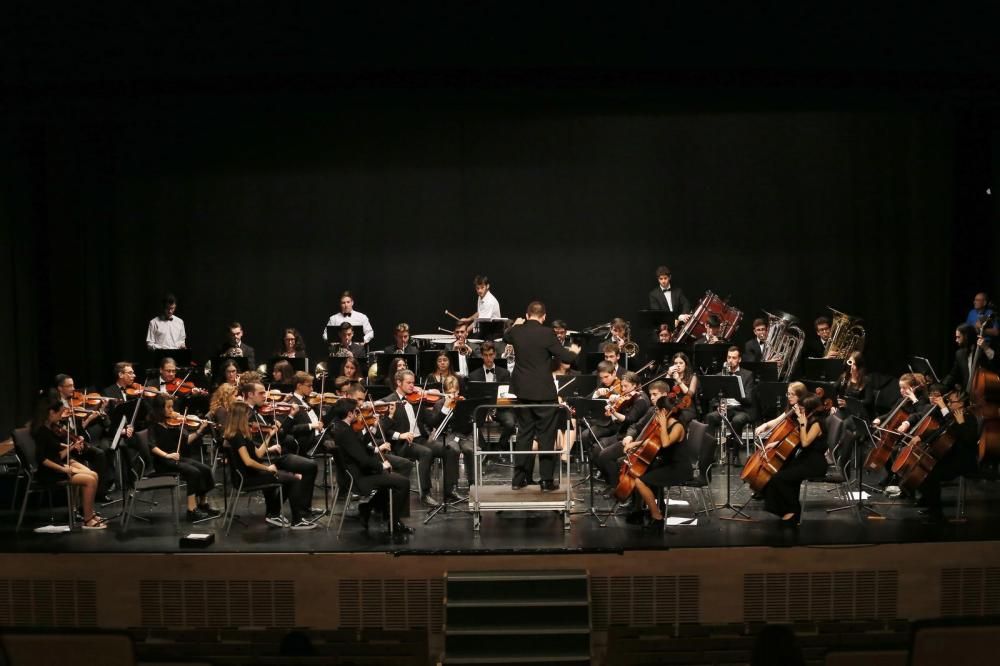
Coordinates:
(168, 379)
(442, 369)
(612, 354)
(282, 446)
(781, 494)
(350, 315)
(234, 347)
(369, 470)
(456, 436)
(305, 425)
(968, 340)
(166, 442)
(409, 427)
(292, 345)
(685, 382)
(57, 462)
(345, 345)
(961, 458)
(624, 411)
(166, 331)
(401, 341)
(915, 405)
(491, 372)
(399, 464)
(121, 405)
(609, 387)
(88, 423)
(221, 405)
(282, 376)
(464, 348)
(252, 460)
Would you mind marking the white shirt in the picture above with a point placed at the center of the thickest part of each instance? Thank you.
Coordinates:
(463, 366)
(488, 307)
(166, 333)
(308, 410)
(357, 319)
(490, 371)
(410, 415)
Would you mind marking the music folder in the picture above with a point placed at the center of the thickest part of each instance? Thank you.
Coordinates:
(730, 386)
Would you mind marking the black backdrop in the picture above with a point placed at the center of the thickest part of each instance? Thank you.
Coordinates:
(263, 209)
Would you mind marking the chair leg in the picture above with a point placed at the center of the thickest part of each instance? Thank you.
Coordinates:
(805, 499)
(70, 506)
(347, 504)
(13, 497)
(176, 505)
(24, 505)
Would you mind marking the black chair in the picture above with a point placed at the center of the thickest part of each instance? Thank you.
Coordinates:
(834, 474)
(26, 452)
(147, 480)
(696, 434)
(241, 487)
(345, 478)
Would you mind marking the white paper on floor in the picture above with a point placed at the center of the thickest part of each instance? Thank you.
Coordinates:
(674, 502)
(854, 495)
(677, 520)
(52, 529)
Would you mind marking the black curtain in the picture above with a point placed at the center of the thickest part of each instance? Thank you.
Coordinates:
(264, 211)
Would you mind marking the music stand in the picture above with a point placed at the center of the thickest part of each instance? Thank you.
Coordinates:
(585, 410)
(652, 319)
(378, 391)
(763, 371)
(725, 387)
(662, 352)
(583, 386)
(299, 364)
(709, 359)
(474, 363)
(824, 369)
(859, 470)
(590, 360)
(490, 329)
(921, 365)
(771, 398)
(182, 357)
(476, 390)
(464, 409)
(427, 360)
(829, 388)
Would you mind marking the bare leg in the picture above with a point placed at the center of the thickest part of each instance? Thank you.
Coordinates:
(649, 498)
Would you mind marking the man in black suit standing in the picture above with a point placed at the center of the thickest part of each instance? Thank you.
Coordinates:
(753, 350)
(535, 346)
(671, 299)
(491, 372)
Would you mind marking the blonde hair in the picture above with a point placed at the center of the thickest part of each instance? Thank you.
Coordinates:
(239, 421)
(223, 398)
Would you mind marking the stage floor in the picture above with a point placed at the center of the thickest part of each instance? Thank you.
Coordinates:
(532, 532)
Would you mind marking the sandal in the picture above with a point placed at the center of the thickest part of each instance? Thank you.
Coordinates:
(95, 523)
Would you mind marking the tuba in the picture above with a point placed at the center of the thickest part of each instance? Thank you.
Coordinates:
(846, 335)
(784, 343)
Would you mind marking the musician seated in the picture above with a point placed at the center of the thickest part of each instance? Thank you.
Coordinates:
(442, 370)
(664, 334)
(968, 341)
(401, 341)
(395, 364)
(612, 354)
(684, 379)
(491, 372)
(351, 370)
(781, 494)
(234, 347)
(292, 345)
(713, 332)
(57, 462)
(254, 463)
(120, 403)
(220, 407)
(345, 345)
(88, 424)
(305, 425)
(739, 412)
(598, 429)
(375, 437)
(228, 373)
(961, 459)
(559, 328)
(464, 348)
(282, 449)
(370, 472)
(607, 460)
(409, 428)
(457, 434)
(753, 350)
(815, 347)
(914, 404)
(166, 444)
(282, 377)
(668, 468)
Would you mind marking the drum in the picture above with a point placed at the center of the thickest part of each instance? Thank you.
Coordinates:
(710, 304)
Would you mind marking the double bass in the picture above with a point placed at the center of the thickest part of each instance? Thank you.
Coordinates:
(638, 460)
(984, 393)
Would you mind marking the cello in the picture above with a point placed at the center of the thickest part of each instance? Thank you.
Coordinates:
(765, 462)
(919, 456)
(888, 434)
(638, 460)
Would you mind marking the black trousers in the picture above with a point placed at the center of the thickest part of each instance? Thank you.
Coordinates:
(197, 475)
(608, 462)
(959, 461)
(462, 445)
(709, 448)
(272, 498)
(537, 423)
(424, 453)
(299, 494)
(507, 421)
(389, 484)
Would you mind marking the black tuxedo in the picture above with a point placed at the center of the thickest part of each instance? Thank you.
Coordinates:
(248, 353)
(753, 351)
(535, 346)
(299, 428)
(357, 351)
(501, 375)
(366, 468)
(421, 450)
(657, 301)
(814, 347)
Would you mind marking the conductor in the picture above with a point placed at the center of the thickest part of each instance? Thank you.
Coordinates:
(534, 346)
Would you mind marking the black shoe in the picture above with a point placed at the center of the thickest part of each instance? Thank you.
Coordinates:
(365, 513)
(654, 524)
(635, 518)
(791, 522)
(517, 485)
(196, 515)
(400, 528)
(451, 498)
(549, 485)
(208, 510)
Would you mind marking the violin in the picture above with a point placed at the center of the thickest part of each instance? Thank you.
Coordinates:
(63, 434)
(142, 391)
(425, 395)
(189, 421)
(79, 399)
(316, 399)
(257, 428)
(282, 408)
(176, 386)
(624, 402)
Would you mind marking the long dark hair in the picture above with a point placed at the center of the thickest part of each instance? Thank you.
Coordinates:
(688, 370)
(300, 344)
(859, 364)
(969, 335)
(158, 408)
(47, 403)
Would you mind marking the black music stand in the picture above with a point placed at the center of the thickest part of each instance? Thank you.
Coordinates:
(587, 409)
(652, 319)
(583, 386)
(829, 389)
(709, 359)
(476, 390)
(474, 363)
(921, 365)
(464, 409)
(763, 371)
(771, 398)
(383, 360)
(824, 369)
(490, 329)
(590, 360)
(182, 357)
(299, 364)
(663, 352)
(859, 470)
(725, 387)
